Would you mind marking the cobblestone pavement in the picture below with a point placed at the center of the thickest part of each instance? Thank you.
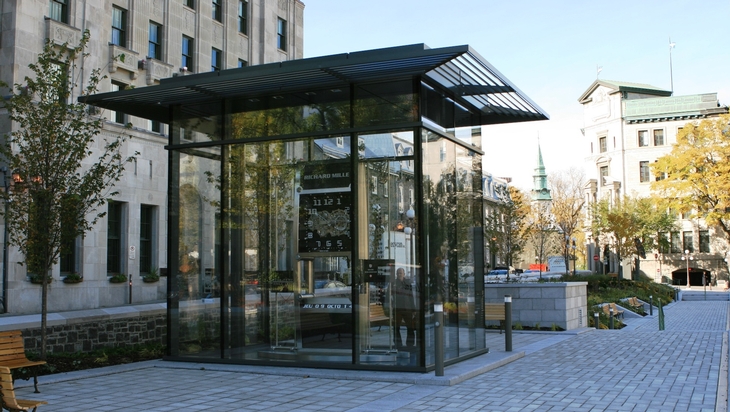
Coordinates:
(638, 368)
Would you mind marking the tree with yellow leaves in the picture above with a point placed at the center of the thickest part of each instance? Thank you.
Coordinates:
(695, 175)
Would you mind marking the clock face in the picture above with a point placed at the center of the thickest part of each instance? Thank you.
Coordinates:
(324, 222)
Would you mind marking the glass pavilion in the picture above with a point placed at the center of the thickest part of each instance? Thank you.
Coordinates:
(297, 191)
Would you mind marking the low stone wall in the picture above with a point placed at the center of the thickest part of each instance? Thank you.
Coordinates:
(87, 330)
(562, 304)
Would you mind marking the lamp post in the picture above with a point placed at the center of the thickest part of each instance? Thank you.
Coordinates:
(6, 187)
(687, 257)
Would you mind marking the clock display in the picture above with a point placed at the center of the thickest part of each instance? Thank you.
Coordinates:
(324, 222)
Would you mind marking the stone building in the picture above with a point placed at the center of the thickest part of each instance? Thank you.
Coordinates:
(159, 39)
(628, 126)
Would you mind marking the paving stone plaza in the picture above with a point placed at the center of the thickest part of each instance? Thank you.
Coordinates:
(638, 368)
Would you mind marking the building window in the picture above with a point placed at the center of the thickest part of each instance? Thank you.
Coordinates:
(155, 126)
(242, 63)
(643, 138)
(119, 27)
(215, 60)
(67, 261)
(603, 172)
(675, 246)
(281, 34)
(643, 171)
(217, 10)
(114, 238)
(243, 16)
(187, 53)
(688, 241)
(189, 3)
(114, 116)
(663, 244)
(659, 137)
(704, 241)
(146, 241)
(154, 50)
(58, 10)
(602, 145)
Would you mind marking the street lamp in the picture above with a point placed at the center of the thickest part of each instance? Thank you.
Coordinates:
(687, 257)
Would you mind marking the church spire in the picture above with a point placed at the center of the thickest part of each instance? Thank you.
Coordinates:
(540, 192)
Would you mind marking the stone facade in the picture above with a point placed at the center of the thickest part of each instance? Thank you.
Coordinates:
(562, 304)
(26, 25)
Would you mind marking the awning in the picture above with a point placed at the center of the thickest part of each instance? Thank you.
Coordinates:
(469, 79)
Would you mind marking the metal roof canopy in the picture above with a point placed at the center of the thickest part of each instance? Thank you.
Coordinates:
(463, 74)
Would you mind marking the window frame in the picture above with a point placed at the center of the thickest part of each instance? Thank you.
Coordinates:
(216, 59)
(155, 43)
(147, 222)
(114, 237)
(59, 12)
(281, 34)
(602, 144)
(243, 17)
(188, 49)
(217, 10)
(674, 244)
(704, 241)
(688, 241)
(119, 33)
(644, 172)
(643, 138)
(189, 3)
(115, 115)
(655, 135)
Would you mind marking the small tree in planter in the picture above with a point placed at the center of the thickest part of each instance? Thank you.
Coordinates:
(63, 170)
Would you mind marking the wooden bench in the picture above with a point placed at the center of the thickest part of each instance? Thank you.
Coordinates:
(12, 354)
(634, 303)
(495, 311)
(616, 311)
(7, 394)
(377, 316)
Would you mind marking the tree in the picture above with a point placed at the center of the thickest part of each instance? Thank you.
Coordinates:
(630, 220)
(567, 204)
(695, 175)
(506, 227)
(60, 179)
(541, 232)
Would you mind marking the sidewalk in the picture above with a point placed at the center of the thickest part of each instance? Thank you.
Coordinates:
(638, 368)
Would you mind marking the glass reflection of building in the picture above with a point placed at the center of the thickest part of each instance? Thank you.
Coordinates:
(297, 190)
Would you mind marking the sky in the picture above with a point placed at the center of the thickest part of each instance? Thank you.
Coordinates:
(550, 50)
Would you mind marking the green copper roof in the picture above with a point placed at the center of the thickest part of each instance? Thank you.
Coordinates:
(689, 107)
(619, 86)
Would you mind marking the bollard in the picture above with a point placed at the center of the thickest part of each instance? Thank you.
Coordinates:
(610, 318)
(508, 323)
(596, 322)
(651, 305)
(130, 288)
(438, 311)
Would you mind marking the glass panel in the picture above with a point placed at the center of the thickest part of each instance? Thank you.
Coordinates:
(439, 212)
(289, 237)
(385, 103)
(196, 282)
(190, 127)
(316, 110)
(390, 330)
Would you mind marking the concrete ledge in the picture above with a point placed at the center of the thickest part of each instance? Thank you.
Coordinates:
(9, 322)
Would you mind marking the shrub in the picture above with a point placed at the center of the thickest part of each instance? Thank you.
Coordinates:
(73, 278)
(118, 278)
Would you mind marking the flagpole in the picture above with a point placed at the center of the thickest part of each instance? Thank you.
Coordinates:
(671, 75)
